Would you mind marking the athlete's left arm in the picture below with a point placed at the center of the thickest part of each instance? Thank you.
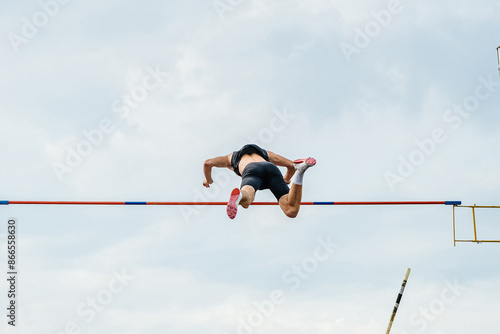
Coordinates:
(280, 161)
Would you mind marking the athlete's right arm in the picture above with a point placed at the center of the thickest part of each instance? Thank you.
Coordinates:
(221, 162)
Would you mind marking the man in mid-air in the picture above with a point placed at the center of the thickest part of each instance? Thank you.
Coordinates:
(258, 170)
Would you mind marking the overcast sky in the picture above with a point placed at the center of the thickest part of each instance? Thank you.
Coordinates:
(123, 101)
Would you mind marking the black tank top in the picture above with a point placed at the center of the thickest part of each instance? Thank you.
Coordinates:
(247, 149)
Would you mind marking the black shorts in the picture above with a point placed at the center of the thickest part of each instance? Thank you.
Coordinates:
(265, 175)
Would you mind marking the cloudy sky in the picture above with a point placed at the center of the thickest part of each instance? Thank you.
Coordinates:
(123, 101)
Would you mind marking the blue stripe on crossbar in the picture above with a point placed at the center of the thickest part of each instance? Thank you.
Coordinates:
(323, 203)
(4, 202)
(136, 203)
(453, 202)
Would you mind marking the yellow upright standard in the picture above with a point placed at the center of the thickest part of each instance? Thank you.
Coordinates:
(473, 207)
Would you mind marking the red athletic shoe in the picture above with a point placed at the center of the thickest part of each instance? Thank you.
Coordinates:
(303, 164)
(232, 205)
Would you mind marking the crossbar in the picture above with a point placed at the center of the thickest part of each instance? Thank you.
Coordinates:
(224, 203)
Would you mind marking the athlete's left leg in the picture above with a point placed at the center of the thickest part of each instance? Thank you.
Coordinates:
(290, 203)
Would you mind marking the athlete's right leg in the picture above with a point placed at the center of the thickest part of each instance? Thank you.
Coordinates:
(248, 195)
(250, 182)
(243, 197)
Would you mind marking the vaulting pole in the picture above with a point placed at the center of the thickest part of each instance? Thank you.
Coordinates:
(398, 300)
(498, 55)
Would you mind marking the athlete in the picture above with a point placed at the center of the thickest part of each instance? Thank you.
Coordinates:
(258, 170)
